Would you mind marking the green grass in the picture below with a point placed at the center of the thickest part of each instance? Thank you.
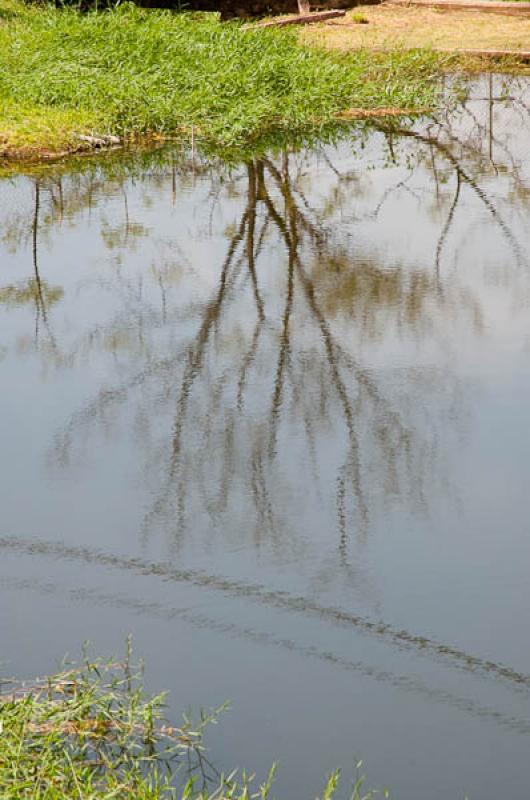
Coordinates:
(90, 733)
(133, 72)
(86, 733)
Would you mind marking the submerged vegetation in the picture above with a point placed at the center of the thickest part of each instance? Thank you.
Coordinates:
(131, 72)
(90, 733)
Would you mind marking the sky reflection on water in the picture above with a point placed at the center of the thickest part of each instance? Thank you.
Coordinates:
(272, 420)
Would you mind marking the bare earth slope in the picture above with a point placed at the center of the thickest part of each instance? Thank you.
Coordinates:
(390, 26)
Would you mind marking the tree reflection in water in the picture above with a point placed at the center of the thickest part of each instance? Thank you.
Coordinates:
(273, 411)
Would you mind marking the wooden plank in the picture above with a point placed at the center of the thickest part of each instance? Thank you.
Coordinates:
(518, 55)
(299, 19)
(488, 6)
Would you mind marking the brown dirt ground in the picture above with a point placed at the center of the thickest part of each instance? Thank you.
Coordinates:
(391, 27)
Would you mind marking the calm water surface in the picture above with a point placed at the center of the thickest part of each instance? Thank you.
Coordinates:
(274, 421)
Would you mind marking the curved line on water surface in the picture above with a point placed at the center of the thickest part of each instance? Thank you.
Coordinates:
(403, 639)
(167, 613)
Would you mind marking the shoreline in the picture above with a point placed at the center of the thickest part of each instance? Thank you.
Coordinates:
(80, 84)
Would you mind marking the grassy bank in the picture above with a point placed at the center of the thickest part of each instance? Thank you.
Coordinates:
(90, 733)
(134, 73)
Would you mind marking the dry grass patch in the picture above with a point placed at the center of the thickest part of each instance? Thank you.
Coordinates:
(392, 27)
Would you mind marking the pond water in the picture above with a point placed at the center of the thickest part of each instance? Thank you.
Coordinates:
(273, 421)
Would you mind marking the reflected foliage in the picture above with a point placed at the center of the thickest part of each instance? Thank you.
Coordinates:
(264, 386)
(30, 292)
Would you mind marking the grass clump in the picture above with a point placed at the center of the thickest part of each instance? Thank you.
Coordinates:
(90, 733)
(133, 72)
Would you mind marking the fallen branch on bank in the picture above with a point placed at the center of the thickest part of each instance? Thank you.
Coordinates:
(299, 19)
(371, 113)
(100, 141)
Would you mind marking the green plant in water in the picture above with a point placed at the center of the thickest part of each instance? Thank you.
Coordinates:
(91, 733)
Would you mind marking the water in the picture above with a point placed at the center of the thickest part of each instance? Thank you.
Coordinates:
(273, 421)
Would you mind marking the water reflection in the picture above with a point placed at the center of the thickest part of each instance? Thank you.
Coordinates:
(34, 290)
(270, 389)
(402, 682)
(401, 639)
